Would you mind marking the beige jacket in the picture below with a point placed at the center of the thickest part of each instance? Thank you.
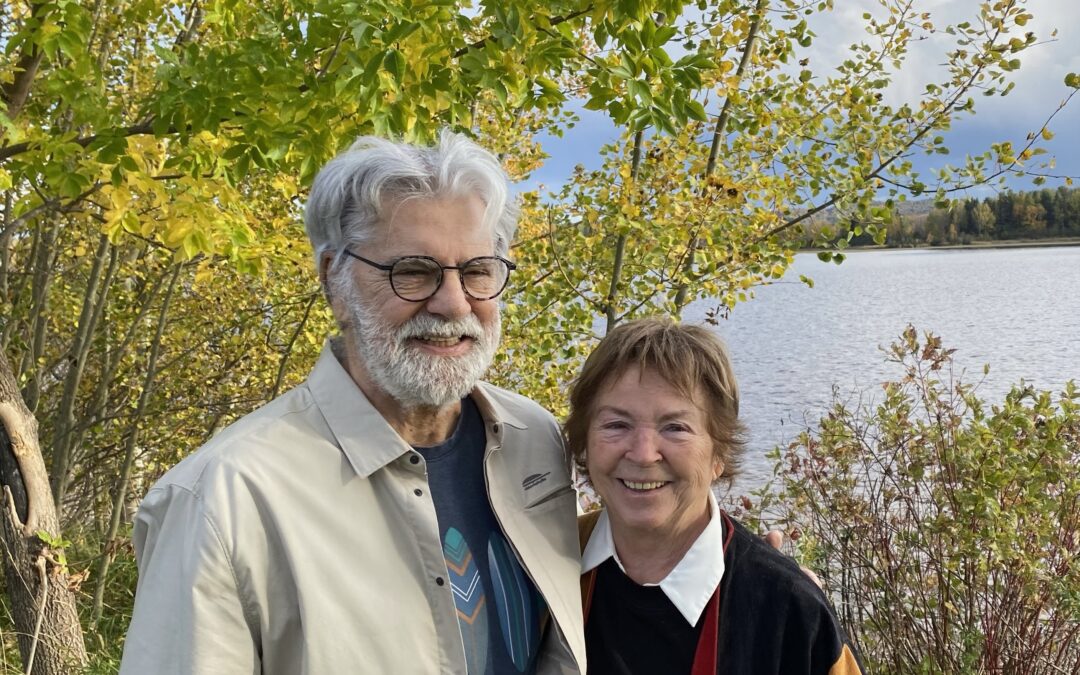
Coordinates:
(302, 540)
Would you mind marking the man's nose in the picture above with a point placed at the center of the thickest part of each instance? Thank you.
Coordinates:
(450, 301)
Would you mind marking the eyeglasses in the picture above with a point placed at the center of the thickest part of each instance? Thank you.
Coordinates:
(418, 277)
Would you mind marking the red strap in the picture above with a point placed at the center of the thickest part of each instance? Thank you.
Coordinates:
(708, 642)
(705, 655)
(588, 582)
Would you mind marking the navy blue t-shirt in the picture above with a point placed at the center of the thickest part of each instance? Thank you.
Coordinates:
(498, 606)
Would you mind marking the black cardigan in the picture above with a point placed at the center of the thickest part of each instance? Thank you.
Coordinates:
(773, 617)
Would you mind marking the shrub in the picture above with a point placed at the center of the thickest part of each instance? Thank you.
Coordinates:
(947, 531)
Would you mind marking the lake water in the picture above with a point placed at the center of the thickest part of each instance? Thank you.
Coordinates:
(1017, 310)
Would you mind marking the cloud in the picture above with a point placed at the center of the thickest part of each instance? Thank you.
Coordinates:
(1039, 88)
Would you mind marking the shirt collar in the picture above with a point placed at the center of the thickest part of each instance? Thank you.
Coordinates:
(368, 441)
(691, 583)
(362, 433)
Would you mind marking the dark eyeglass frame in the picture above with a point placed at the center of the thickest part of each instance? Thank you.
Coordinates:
(389, 269)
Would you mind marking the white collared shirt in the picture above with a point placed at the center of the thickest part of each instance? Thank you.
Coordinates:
(691, 583)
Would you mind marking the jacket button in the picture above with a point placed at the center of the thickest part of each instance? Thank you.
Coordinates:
(439, 581)
(418, 492)
(495, 428)
(414, 459)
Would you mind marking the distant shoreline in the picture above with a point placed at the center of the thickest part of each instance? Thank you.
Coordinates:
(1004, 243)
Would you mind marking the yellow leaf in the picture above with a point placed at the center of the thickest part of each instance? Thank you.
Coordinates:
(1047, 134)
(203, 273)
(176, 233)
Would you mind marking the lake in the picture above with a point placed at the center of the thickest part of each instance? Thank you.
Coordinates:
(1016, 309)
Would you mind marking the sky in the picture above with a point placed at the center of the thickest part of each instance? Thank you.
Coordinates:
(1039, 90)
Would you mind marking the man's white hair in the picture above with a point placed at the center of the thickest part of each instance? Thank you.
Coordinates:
(351, 194)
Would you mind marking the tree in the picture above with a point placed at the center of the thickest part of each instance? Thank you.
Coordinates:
(34, 563)
(714, 208)
(1029, 215)
(982, 218)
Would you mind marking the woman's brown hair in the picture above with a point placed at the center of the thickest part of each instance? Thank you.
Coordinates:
(690, 358)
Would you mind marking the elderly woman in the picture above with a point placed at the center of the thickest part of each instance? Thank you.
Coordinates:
(671, 584)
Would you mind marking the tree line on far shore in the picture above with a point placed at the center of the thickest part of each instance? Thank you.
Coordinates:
(1042, 214)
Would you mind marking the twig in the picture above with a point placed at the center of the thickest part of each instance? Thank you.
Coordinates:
(44, 576)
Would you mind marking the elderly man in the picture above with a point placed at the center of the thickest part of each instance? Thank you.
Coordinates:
(393, 514)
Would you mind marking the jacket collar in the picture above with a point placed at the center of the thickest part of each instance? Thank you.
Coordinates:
(364, 436)
(495, 408)
(691, 583)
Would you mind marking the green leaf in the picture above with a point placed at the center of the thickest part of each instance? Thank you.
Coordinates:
(400, 32)
(394, 63)
(695, 110)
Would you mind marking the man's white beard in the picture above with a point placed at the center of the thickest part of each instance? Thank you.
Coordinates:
(412, 377)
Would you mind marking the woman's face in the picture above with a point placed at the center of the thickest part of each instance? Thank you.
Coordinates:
(650, 456)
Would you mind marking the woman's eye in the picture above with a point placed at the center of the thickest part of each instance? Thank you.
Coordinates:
(613, 425)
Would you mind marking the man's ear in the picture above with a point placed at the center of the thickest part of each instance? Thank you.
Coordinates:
(326, 259)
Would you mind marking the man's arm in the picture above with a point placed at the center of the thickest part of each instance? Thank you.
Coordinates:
(189, 617)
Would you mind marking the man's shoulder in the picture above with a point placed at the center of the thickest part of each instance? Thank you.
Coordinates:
(262, 436)
(526, 410)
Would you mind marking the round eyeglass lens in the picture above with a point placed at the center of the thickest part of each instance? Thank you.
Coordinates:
(415, 278)
(484, 278)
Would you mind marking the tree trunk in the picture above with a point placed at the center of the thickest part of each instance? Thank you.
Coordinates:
(42, 605)
(132, 441)
(289, 347)
(620, 244)
(719, 131)
(80, 348)
(39, 307)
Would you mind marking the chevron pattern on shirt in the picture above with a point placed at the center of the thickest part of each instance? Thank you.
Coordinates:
(464, 577)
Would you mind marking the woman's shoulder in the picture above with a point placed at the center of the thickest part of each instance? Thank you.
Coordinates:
(768, 601)
(758, 569)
